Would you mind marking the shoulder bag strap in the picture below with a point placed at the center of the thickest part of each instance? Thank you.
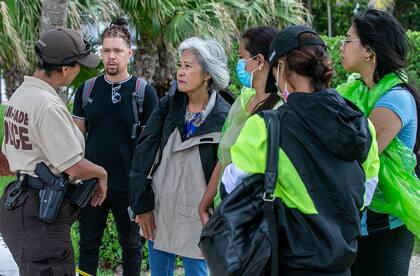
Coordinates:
(137, 100)
(272, 121)
(87, 89)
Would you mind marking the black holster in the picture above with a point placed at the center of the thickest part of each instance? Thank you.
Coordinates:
(52, 190)
(52, 195)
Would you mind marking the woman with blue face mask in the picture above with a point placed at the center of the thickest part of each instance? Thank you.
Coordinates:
(258, 93)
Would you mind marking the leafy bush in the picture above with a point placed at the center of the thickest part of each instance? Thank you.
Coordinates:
(4, 180)
(235, 85)
(333, 44)
(110, 254)
(413, 67)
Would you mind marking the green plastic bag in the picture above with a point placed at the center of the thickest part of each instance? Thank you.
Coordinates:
(233, 125)
(398, 191)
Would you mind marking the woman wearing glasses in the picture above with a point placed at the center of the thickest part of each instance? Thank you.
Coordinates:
(376, 47)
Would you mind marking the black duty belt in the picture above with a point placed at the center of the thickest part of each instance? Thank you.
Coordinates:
(78, 194)
(52, 190)
(30, 182)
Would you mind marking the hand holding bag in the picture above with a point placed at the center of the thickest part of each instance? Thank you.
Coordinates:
(241, 236)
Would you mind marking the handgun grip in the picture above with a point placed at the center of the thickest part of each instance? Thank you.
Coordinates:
(44, 173)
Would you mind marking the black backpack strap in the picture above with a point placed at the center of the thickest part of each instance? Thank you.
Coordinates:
(137, 100)
(87, 89)
(272, 122)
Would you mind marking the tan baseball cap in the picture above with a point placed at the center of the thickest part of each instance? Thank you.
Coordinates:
(61, 47)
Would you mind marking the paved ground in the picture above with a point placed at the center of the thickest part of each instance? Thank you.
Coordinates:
(8, 266)
(415, 266)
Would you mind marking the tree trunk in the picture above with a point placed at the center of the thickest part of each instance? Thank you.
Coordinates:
(155, 63)
(13, 78)
(167, 68)
(54, 14)
(146, 59)
(329, 18)
(309, 9)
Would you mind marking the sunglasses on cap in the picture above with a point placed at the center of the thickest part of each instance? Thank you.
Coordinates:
(74, 58)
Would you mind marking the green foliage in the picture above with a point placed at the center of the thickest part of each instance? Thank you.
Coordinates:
(75, 238)
(416, 250)
(235, 85)
(110, 251)
(110, 255)
(174, 21)
(84, 75)
(4, 180)
(342, 12)
(408, 13)
(413, 67)
(340, 75)
(20, 23)
(12, 33)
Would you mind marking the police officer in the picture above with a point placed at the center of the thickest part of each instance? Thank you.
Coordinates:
(39, 128)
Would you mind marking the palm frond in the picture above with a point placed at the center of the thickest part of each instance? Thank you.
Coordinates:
(291, 12)
(176, 20)
(203, 19)
(94, 11)
(11, 52)
(89, 17)
(28, 13)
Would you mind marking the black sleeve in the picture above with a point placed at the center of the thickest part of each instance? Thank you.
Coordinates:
(140, 191)
(150, 101)
(78, 104)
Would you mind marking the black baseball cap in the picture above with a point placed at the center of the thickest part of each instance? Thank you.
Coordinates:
(62, 47)
(288, 39)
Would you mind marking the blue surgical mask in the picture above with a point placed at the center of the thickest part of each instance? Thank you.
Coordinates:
(244, 76)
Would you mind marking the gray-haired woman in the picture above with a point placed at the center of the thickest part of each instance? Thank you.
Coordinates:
(176, 156)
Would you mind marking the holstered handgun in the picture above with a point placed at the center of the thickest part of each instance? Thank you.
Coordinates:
(51, 197)
(80, 194)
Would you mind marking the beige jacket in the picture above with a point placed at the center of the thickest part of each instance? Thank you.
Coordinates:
(179, 185)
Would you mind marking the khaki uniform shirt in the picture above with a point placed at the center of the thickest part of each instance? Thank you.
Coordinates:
(39, 128)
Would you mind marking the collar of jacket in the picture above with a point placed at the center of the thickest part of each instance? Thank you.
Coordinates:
(213, 122)
(340, 126)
